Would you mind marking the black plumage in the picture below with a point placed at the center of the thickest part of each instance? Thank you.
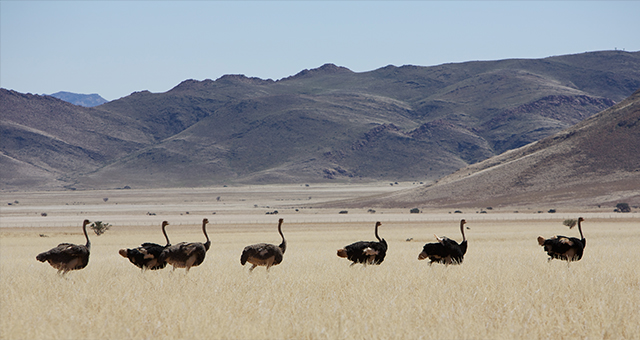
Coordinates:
(264, 254)
(446, 250)
(187, 255)
(66, 256)
(564, 248)
(147, 256)
(366, 252)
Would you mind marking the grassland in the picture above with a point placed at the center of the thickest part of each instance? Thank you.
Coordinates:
(505, 289)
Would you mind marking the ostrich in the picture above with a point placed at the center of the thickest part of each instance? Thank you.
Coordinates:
(564, 248)
(147, 256)
(446, 250)
(187, 255)
(264, 254)
(366, 252)
(66, 256)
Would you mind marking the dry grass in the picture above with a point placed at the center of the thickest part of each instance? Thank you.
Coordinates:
(504, 290)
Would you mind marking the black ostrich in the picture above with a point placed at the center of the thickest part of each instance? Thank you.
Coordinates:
(446, 251)
(187, 255)
(147, 256)
(264, 254)
(66, 256)
(366, 252)
(564, 248)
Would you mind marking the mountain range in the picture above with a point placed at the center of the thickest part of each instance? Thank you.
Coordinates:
(87, 100)
(327, 124)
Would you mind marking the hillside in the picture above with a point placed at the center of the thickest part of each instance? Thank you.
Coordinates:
(325, 124)
(592, 163)
(46, 142)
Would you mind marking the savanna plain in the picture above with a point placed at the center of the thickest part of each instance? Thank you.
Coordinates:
(505, 289)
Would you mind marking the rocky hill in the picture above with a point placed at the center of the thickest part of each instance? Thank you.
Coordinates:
(595, 162)
(325, 124)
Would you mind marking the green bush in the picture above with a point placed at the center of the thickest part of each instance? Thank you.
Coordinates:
(99, 228)
(570, 222)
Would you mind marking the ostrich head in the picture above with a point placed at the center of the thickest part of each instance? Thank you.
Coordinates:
(541, 240)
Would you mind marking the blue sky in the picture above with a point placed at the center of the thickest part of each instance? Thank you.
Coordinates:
(114, 48)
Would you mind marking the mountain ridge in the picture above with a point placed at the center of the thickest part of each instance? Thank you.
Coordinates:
(86, 100)
(325, 124)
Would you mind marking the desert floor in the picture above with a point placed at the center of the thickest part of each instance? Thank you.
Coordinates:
(504, 289)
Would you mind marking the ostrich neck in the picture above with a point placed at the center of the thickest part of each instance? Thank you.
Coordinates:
(84, 230)
(282, 245)
(204, 230)
(165, 234)
(376, 232)
(580, 229)
(462, 231)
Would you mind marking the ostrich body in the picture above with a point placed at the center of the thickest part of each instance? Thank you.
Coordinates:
(366, 252)
(187, 255)
(446, 250)
(264, 254)
(66, 256)
(147, 256)
(564, 248)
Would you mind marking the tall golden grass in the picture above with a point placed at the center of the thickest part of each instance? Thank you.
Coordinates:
(505, 289)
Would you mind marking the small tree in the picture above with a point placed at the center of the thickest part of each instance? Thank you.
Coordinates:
(570, 222)
(99, 228)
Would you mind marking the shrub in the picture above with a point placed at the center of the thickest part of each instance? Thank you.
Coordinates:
(99, 228)
(570, 222)
(414, 211)
(623, 207)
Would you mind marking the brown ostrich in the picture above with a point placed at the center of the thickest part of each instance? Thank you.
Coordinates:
(564, 248)
(66, 256)
(264, 254)
(446, 250)
(187, 255)
(147, 256)
(366, 252)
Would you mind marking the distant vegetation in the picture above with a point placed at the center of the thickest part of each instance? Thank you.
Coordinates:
(623, 207)
(99, 227)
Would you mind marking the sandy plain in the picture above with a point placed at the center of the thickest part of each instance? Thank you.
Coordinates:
(505, 289)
